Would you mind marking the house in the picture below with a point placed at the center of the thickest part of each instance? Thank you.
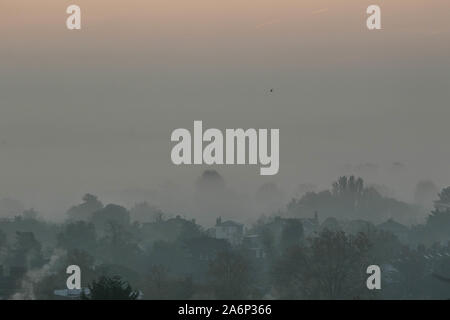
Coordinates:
(310, 225)
(205, 248)
(231, 231)
(272, 236)
(397, 229)
(252, 243)
(441, 206)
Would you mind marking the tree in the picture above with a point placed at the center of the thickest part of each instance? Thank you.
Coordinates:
(3, 239)
(110, 288)
(230, 273)
(84, 211)
(349, 198)
(348, 192)
(210, 181)
(78, 235)
(27, 251)
(332, 266)
(444, 196)
(437, 226)
(348, 187)
(159, 284)
(385, 246)
(412, 274)
(111, 213)
(143, 212)
(339, 264)
(119, 245)
(292, 234)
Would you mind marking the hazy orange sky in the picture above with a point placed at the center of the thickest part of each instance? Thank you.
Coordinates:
(251, 31)
(92, 110)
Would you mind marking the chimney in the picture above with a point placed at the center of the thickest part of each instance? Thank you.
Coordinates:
(316, 217)
(218, 221)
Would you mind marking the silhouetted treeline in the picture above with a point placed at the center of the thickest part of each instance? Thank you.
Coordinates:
(318, 247)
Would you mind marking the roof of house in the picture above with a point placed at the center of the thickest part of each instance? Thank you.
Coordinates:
(229, 223)
(439, 204)
(393, 226)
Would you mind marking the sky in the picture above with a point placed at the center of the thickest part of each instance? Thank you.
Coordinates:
(92, 110)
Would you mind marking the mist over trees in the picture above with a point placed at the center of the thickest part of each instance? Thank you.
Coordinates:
(84, 210)
(425, 193)
(314, 246)
(349, 198)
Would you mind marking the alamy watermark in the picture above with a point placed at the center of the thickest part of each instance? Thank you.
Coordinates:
(235, 146)
(73, 22)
